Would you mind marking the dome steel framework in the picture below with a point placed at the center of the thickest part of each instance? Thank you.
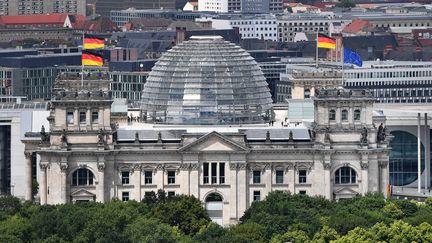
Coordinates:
(204, 81)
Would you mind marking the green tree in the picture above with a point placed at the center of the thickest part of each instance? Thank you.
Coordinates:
(295, 236)
(210, 233)
(151, 231)
(9, 205)
(185, 212)
(17, 226)
(249, 232)
(326, 234)
(392, 211)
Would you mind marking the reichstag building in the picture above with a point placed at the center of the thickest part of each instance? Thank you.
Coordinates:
(206, 128)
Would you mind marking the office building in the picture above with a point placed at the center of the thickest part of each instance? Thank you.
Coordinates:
(25, 7)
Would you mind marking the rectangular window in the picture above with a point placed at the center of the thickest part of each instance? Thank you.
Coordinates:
(125, 196)
(69, 117)
(302, 176)
(171, 193)
(302, 192)
(256, 177)
(95, 117)
(171, 177)
(213, 173)
(279, 176)
(148, 177)
(125, 177)
(256, 196)
(82, 117)
(221, 173)
(149, 194)
(206, 173)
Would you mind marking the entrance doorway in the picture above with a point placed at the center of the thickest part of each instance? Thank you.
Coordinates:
(214, 207)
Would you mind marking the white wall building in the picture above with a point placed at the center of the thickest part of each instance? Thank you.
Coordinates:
(256, 27)
(218, 6)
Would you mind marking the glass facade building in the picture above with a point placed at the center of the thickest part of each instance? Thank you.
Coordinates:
(403, 158)
(207, 81)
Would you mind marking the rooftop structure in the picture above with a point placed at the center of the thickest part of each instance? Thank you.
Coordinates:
(206, 81)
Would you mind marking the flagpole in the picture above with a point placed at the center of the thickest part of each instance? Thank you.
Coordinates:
(343, 61)
(316, 51)
(82, 64)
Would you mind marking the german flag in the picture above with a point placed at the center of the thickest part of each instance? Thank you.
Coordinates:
(326, 42)
(92, 58)
(93, 42)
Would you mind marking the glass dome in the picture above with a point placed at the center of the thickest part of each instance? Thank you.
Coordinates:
(206, 80)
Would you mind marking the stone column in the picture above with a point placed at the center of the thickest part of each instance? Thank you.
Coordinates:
(101, 189)
(29, 177)
(384, 177)
(137, 183)
(364, 177)
(194, 180)
(64, 187)
(43, 183)
(243, 194)
(291, 178)
(327, 181)
(159, 177)
(267, 180)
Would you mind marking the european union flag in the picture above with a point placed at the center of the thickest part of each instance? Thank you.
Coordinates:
(352, 57)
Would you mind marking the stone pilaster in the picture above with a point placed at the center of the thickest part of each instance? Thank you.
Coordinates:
(43, 183)
(101, 183)
(136, 173)
(29, 178)
(64, 184)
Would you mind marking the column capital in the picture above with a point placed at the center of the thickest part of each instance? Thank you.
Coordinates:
(28, 154)
(101, 167)
(63, 167)
(43, 165)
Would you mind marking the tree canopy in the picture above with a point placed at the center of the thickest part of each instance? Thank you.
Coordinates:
(280, 217)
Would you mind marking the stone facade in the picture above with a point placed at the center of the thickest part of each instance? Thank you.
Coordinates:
(87, 156)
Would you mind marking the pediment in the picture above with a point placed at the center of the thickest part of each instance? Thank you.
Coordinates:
(82, 193)
(214, 142)
(345, 191)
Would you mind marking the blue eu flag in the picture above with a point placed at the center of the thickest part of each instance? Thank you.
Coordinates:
(352, 57)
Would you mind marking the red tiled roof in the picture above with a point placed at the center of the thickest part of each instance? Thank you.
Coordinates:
(356, 26)
(33, 19)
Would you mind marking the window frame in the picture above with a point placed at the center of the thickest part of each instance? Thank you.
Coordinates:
(343, 177)
(279, 179)
(344, 115)
(332, 115)
(125, 196)
(69, 118)
(302, 179)
(77, 177)
(171, 179)
(256, 177)
(256, 197)
(93, 120)
(148, 180)
(125, 180)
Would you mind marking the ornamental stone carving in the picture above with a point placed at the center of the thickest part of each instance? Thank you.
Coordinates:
(63, 167)
(101, 167)
(364, 165)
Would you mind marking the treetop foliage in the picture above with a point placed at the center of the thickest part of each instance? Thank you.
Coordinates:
(280, 217)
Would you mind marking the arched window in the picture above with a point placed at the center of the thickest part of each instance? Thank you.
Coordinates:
(332, 115)
(82, 177)
(356, 115)
(345, 175)
(344, 115)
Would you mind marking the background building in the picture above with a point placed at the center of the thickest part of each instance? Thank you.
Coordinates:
(24, 7)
